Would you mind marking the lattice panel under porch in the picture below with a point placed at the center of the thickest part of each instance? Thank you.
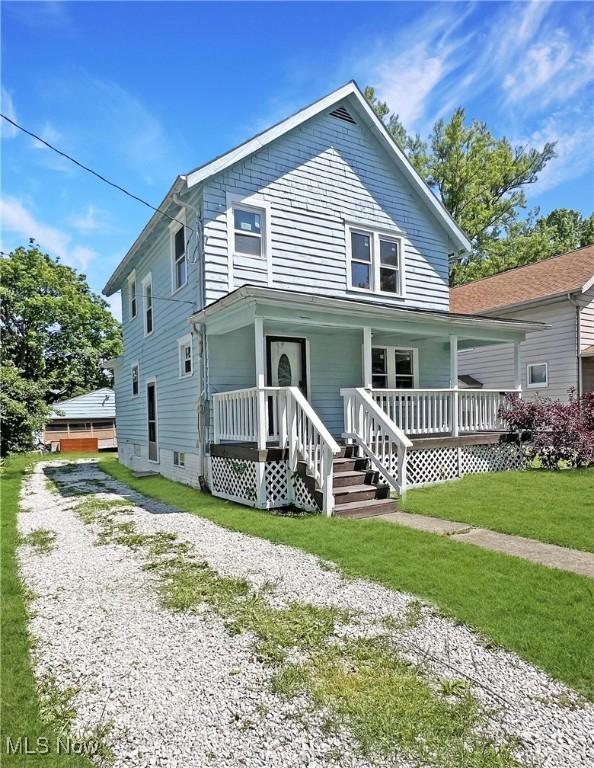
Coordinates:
(234, 478)
(431, 465)
(490, 458)
(275, 476)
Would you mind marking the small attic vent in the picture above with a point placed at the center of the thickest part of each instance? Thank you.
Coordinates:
(342, 113)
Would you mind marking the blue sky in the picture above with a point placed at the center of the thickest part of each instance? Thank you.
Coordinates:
(144, 91)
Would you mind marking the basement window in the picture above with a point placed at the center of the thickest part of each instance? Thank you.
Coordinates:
(179, 458)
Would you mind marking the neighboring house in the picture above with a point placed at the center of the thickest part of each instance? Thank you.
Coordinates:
(559, 292)
(83, 418)
(296, 294)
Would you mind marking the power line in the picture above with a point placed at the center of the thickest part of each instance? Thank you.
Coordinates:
(91, 171)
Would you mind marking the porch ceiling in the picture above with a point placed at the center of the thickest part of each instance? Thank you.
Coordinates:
(301, 310)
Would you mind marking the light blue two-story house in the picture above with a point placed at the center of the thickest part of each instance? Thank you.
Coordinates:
(287, 334)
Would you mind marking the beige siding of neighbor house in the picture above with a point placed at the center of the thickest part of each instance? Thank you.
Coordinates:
(556, 346)
(586, 303)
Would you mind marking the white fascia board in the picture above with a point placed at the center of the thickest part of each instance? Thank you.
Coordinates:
(374, 123)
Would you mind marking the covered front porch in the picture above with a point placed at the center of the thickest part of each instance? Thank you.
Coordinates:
(304, 373)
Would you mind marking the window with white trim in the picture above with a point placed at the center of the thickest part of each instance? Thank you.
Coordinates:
(147, 294)
(179, 458)
(537, 375)
(186, 365)
(374, 261)
(179, 259)
(132, 295)
(393, 368)
(135, 376)
(248, 230)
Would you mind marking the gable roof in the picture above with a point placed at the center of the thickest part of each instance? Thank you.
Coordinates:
(571, 272)
(353, 94)
(99, 404)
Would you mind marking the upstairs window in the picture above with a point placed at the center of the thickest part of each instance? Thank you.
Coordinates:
(147, 292)
(135, 373)
(185, 356)
(179, 260)
(375, 262)
(132, 295)
(247, 231)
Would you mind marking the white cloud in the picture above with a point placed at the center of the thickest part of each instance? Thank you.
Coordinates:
(17, 219)
(8, 131)
(87, 222)
(572, 131)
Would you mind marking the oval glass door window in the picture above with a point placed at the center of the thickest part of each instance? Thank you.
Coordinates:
(284, 371)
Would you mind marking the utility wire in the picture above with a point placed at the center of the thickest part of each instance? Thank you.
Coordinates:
(91, 171)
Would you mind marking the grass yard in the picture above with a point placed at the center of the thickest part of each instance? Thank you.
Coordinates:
(21, 714)
(544, 615)
(555, 507)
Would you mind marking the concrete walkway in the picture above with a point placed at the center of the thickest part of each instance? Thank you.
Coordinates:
(550, 555)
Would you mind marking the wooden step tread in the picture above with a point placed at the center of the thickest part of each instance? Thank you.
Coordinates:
(350, 473)
(368, 508)
(345, 489)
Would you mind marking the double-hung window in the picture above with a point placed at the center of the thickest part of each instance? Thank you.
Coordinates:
(248, 230)
(132, 295)
(375, 262)
(393, 368)
(147, 293)
(179, 257)
(184, 346)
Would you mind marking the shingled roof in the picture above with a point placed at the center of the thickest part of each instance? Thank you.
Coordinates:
(569, 273)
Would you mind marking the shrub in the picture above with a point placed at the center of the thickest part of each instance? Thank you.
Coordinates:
(562, 433)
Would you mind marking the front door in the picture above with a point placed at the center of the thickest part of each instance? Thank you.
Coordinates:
(286, 362)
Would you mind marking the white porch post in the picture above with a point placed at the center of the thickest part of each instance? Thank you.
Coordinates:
(261, 399)
(454, 384)
(367, 368)
(517, 369)
(260, 380)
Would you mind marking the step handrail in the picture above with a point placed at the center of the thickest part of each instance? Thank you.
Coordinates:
(308, 439)
(375, 432)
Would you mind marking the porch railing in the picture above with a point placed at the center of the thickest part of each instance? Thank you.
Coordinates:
(441, 411)
(281, 415)
(380, 438)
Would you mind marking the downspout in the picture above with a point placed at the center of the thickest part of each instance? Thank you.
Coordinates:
(203, 395)
(578, 325)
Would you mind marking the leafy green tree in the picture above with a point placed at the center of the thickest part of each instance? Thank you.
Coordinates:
(55, 335)
(23, 410)
(525, 242)
(479, 178)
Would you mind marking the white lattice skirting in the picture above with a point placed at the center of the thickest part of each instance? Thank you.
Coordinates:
(238, 480)
(434, 465)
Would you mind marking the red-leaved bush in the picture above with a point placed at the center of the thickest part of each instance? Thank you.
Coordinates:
(560, 432)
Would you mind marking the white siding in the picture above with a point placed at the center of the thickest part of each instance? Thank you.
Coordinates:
(493, 365)
(314, 178)
(158, 357)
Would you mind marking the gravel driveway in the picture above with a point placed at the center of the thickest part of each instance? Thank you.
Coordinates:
(179, 690)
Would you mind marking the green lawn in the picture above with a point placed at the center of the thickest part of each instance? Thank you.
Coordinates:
(544, 615)
(556, 507)
(20, 714)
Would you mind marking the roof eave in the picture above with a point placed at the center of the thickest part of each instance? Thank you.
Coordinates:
(350, 89)
(248, 292)
(119, 273)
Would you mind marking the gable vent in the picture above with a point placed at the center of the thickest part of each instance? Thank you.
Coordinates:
(342, 113)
